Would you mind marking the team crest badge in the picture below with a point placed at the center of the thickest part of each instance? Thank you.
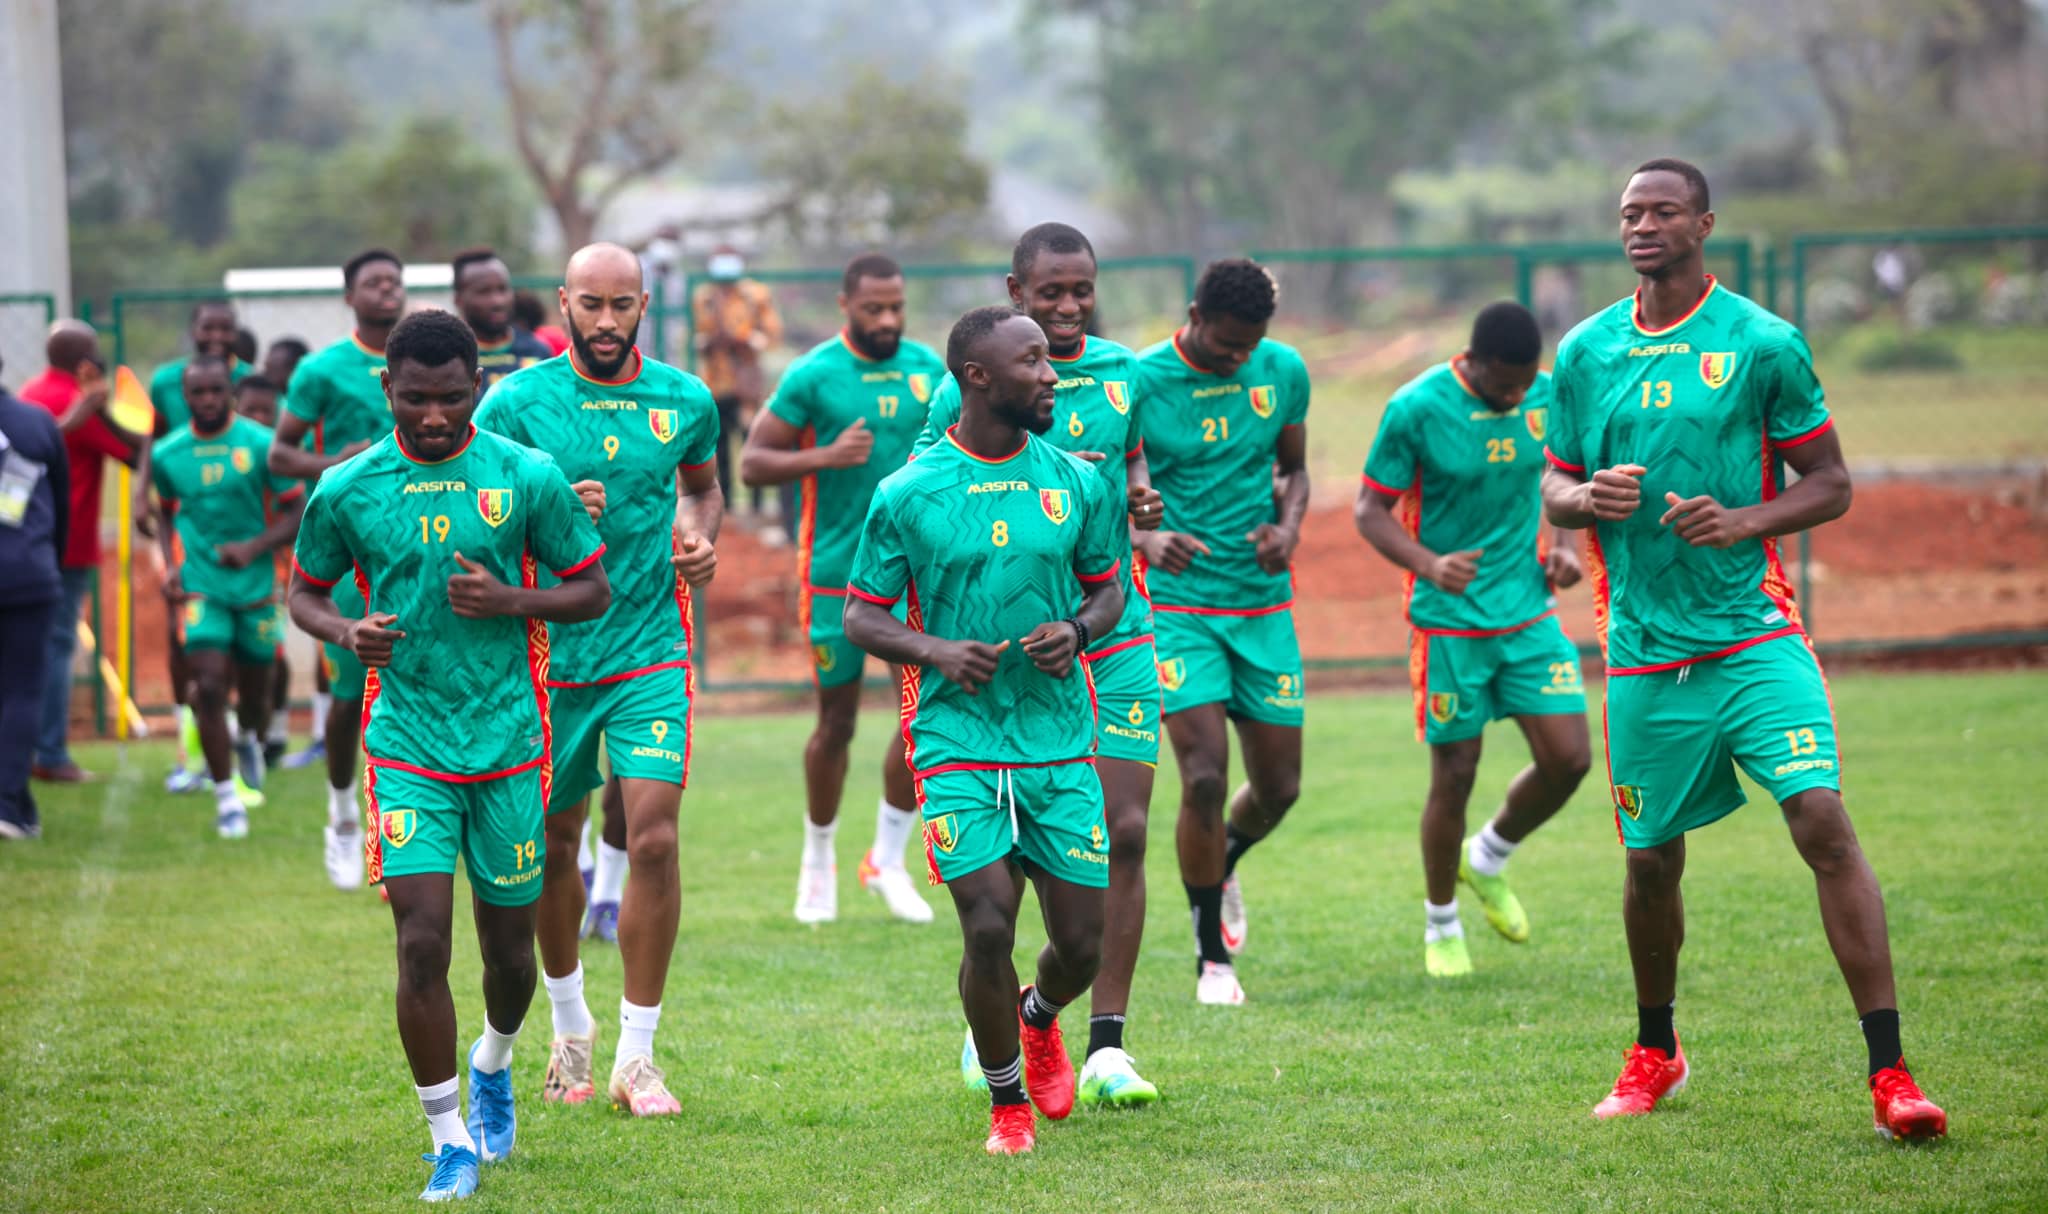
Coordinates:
(494, 504)
(1172, 673)
(920, 387)
(662, 422)
(1055, 503)
(943, 833)
(1262, 400)
(241, 460)
(1119, 394)
(397, 825)
(1443, 705)
(822, 655)
(1715, 368)
(1628, 798)
(1538, 422)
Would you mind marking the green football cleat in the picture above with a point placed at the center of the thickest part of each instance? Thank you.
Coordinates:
(1502, 908)
(970, 1066)
(1447, 958)
(1108, 1080)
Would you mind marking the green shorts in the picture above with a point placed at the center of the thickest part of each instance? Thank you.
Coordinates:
(1048, 817)
(418, 824)
(1250, 663)
(345, 672)
(1125, 681)
(835, 661)
(642, 724)
(249, 634)
(1675, 736)
(1461, 683)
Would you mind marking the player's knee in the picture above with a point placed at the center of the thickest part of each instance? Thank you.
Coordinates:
(1079, 949)
(564, 836)
(209, 693)
(1277, 793)
(835, 731)
(988, 933)
(1127, 836)
(422, 959)
(651, 846)
(508, 952)
(1821, 831)
(1651, 871)
(1204, 788)
(1564, 772)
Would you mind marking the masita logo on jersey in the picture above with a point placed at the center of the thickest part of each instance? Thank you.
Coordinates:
(1538, 422)
(1715, 369)
(494, 504)
(662, 422)
(920, 387)
(1055, 503)
(1119, 394)
(1262, 400)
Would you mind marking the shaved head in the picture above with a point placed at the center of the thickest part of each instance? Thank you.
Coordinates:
(614, 266)
(603, 297)
(70, 343)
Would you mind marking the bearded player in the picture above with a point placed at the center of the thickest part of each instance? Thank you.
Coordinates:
(1095, 416)
(445, 530)
(629, 431)
(1676, 409)
(1006, 550)
(843, 417)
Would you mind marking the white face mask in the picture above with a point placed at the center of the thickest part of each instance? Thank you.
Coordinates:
(725, 266)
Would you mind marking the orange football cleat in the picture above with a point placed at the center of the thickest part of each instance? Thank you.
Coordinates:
(1902, 1111)
(1048, 1073)
(1647, 1076)
(1012, 1130)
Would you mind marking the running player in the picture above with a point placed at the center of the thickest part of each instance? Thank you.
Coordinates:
(628, 429)
(1225, 429)
(483, 297)
(994, 535)
(256, 399)
(337, 397)
(843, 417)
(217, 532)
(1456, 453)
(1052, 278)
(445, 529)
(282, 359)
(1674, 409)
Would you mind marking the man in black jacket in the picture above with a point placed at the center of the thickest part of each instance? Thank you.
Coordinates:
(35, 498)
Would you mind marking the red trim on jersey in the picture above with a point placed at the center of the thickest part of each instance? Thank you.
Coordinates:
(1135, 452)
(1738, 647)
(1482, 632)
(1466, 383)
(1095, 579)
(1418, 680)
(355, 338)
(806, 540)
(1607, 753)
(910, 681)
(373, 833)
(1380, 486)
(1560, 465)
(1119, 647)
(537, 671)
(467, 439)
(680, 663)
(1230, 611)
(700, 464)
(322, 583)
(638, 364)
(983, 458)
(1635, 312)
(685, 611)
(1776, 586)
(299, 489)
(449, 777)
(943, 768)
(581, 565)
(876, 599)
(1181, 353)
(830, 592)
(1807, 437)
(1075, 357)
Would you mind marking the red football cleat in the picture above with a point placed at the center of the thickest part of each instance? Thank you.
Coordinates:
(1647, 1076)
(1012, 1130)
(1902, 1111)
(1048, 1074)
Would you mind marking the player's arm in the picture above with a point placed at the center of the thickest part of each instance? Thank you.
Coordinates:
(1142, 503)
(1275, 541)
(288, 454)
(700, 512)
(1561, 565)
(311, 604)
(1820, 495)
(282, 530)
(1373, 515)
(476, 594)
(161, 513)
(775, 453)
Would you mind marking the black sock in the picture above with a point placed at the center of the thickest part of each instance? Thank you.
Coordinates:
(1105, 1033)
(1654, 1031)
(1881, 1034)
(1206, 902)
(1236, 844)
(1038, 1011)
(1006, 1082)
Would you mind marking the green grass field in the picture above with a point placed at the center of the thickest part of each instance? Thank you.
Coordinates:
(192, 1024)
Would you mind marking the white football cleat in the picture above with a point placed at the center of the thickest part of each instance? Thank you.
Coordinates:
(344, 856)
(896, 889)
(817, 894)
(1233, 915)
(1218, 985)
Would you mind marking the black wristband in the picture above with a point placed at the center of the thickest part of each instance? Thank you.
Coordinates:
(1080, 635)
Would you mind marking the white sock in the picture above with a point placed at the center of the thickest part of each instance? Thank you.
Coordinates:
(279, 729)
(892, 831)
(442, 1103)
(818, 843)
(1442, 921)
(610, 881)
(224, 795)
(341, 808)
(493, 1051)
(586, 859)
(322, 701)
(1489, 853)
(572, 1014)
(636, 1031)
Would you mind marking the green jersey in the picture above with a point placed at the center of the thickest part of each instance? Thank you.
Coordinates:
(1097, 411)
(1468, 477)
(167, 389)
(462, 699)
(634, 435)
(988, 550)
(517, 352)
(339, 392)
(821, 394)
(221, 491)
(1210, 440)
(1705, 406)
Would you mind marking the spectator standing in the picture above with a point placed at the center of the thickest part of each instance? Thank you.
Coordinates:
(735, 322)
(34, 501)
(75, 392)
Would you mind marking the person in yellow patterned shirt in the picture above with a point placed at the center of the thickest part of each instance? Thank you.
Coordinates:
(735, 322)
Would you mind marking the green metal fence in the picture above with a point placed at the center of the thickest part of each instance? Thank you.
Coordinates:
(23, 318)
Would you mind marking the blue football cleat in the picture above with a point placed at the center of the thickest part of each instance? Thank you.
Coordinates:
(454, 1174)
(492, 1124)
(601, 922)
(182, 780)
(315, 753)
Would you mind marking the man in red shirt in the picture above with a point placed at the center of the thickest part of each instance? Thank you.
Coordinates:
(75, 391)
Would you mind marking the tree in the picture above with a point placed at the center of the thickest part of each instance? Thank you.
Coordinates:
(599, 93)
